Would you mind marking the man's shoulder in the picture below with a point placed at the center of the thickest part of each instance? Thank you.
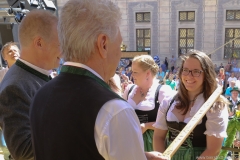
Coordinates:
(115, 106)
(17, 76)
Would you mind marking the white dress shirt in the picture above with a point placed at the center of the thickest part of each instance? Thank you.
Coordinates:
(43, 71)
(117, 131)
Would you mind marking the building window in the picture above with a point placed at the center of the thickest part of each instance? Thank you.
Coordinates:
(143, 38)
(187, 16)
(186, 40)
(232, 49)
(143, 17)
(233, 15)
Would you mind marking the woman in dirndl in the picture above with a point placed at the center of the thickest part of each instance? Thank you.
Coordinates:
(197, 83)
(142, 95)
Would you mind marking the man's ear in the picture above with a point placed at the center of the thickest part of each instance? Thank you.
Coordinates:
(102, 45)
(38, 42)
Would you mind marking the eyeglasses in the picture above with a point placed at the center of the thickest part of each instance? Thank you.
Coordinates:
(195, 72)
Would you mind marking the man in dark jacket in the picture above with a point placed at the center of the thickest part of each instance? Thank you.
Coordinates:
(39, 53)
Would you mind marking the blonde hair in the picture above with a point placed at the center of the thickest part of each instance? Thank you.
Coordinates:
(36, 22)
(146, 62)
(222, 69)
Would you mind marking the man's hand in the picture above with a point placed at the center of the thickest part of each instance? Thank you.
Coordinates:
(155, 156)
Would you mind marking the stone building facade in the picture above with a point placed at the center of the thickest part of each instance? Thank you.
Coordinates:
(171, 27)
(171, 32)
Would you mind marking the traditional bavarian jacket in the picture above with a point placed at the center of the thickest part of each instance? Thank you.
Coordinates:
(234, 103)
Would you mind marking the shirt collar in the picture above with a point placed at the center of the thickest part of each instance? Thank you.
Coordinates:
(232, 99)
(82, 66)
(43, 71)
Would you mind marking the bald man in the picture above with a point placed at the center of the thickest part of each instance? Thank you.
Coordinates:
(40, 53)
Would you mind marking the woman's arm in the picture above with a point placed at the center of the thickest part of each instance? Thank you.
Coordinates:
(213, 148)
(146, 126)
(159, 137)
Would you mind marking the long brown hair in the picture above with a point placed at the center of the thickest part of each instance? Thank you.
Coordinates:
(209, 82)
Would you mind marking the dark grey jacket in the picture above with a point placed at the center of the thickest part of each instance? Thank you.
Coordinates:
(16, 93)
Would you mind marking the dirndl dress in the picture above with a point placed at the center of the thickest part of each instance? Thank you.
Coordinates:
(148, 140)
(187, 152)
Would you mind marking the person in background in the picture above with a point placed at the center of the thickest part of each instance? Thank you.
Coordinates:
(234, 64)
(234, 105)
(221, 76)
(177, 81)
(228, 90)
(173, 63)
(176, 70)
(228, 67)
(91, 120)
(125, 82)
(160, 74)
(40, 53)
(10, 53)
(198, 82)
(219, 81)
(141, 95)
(166, 62)
(170, 81)
(234, 101)
(221, 66)
(231, 78)
(128, 73)
(163, 66)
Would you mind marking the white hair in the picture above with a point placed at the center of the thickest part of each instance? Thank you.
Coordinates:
(81, 22)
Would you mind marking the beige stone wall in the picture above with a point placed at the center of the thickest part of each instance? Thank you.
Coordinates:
(209, 27)
(164, 28)
(166, 44)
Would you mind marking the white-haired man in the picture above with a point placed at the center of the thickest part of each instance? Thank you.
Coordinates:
(40, 53)
(83, 117)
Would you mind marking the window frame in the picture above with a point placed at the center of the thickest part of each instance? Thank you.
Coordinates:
(234, 18)
(143, 38)
(186, 38)
(143, 14)
(187, 20)
(232, 44)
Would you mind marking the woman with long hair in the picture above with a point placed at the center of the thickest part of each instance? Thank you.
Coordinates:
(197, 83)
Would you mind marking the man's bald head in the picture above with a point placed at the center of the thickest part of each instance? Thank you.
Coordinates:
(36, 23)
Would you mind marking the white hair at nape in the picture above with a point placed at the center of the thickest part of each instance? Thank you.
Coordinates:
(81, 22)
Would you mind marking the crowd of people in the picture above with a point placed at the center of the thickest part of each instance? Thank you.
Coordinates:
(93, 111)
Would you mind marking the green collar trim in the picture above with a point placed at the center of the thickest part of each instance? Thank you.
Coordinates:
(85, 72)
(32, 71)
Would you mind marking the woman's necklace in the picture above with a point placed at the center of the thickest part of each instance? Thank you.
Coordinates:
(142, 93)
